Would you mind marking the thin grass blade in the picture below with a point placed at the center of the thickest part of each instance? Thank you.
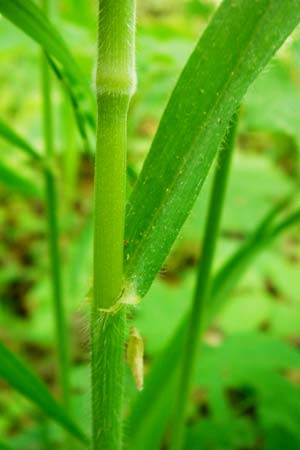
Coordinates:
(238, 263)
(32, 21)
(18, 183)
(21, 378)
(18, 141)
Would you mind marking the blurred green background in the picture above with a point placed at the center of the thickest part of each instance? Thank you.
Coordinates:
(247, 385)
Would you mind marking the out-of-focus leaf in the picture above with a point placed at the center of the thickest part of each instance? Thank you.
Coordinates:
(152, 408)
(164, 305)
(246, 311)
(18, 141)
(277, 438)
(82, 117)
(239, 262)
(230, 433)
(5, 446)
(150, 412)
(212, 84)
(253, 367)
(18, 183)
(78, 275)
(273, 102)
(30, 19)
(255, 183)
(241, 356)
(17, 375)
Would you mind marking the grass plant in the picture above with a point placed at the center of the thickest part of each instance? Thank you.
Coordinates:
(132, 238)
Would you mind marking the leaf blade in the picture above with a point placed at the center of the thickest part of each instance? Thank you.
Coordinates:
(33, 22)
(209, 89)
(19, 183)
(16, 374)
(18, 141)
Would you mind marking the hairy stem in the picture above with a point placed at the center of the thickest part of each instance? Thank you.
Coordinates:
(115, 84)
(201, 295)
(53, 233)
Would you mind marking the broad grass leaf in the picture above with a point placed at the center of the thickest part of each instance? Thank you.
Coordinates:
(236, 45)
(17, 375)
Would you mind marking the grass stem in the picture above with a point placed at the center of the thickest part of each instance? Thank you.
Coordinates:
(202, 289)
(115, 82)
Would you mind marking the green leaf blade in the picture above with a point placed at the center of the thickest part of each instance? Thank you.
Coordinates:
(30, 19)
(22, 185)
(237, 44)
(18, 141)
(17, 375)
(33, 22)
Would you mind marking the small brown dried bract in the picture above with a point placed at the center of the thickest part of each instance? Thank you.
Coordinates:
(135, 357)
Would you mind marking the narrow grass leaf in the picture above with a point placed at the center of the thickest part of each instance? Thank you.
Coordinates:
(17, 375)
(29, 17)
(31, 20)
(18, 183)
(18, 141)
(151, 411)
(83, 116)
(79, 267)
(231, 272)
(237, 44)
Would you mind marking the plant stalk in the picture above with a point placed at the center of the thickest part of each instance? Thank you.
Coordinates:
(115, 83)
(53, 233)
(196, 321)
